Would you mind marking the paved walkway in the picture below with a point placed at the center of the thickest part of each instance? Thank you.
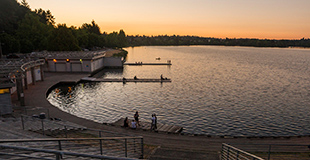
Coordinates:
(171, 145)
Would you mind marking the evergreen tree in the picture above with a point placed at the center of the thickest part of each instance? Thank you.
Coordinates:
(62, 39)
(32, 34)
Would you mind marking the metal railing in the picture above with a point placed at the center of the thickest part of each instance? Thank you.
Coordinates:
(108, 146)
(232, 153)
(58, 154)
(269, 151)
(45, 125)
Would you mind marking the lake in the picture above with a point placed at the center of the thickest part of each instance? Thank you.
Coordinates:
(215, 90)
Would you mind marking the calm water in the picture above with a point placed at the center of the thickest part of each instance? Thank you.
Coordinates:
(215, 90)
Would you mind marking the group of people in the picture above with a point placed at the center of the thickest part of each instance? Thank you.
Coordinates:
(136, 122)
(163, 78)
(140, 63)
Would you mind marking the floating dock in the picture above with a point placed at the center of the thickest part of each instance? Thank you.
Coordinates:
(91, 79)
(140, 64)
(147, 126)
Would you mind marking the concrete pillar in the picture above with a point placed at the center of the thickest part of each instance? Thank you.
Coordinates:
(42, 73)
(33, 76)
(20, 91)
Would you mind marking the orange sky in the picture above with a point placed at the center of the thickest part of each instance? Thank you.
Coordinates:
(273, 19)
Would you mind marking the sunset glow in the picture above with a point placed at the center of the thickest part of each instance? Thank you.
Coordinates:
(273, 19)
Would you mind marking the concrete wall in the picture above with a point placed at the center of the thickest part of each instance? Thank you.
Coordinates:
(86, 65)
(113, 62)
(97, 64)
(37, 72)
(75, 65)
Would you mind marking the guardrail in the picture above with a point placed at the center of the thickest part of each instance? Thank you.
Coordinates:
(108, 146)
(232, 153)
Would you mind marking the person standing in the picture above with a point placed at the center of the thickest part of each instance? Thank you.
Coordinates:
(136, 116)
(126, 122)
(153, 122)
(155, 126)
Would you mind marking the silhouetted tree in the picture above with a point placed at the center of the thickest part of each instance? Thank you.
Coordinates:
(32, 33)
(91, 28)
(45, 16)
(62, 39)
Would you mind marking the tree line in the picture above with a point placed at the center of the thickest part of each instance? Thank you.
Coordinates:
(195, 40)
(23, 30)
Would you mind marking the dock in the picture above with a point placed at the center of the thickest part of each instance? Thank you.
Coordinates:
(140, 64)
(164, 128)
(91, 79)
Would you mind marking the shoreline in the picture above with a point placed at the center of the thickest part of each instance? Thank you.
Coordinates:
(181, 133)
(35, 96)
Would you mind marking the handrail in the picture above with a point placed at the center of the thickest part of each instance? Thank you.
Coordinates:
(238, 152)
(65, 139)
(90, 129)
(267, 144)
(58, 153)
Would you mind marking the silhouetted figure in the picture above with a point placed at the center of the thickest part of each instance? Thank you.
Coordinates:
(153, 122)
(161, 77)
(126, 122)
(136, 116)
(135, 78)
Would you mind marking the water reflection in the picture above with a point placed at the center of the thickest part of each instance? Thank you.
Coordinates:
(215, 90)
